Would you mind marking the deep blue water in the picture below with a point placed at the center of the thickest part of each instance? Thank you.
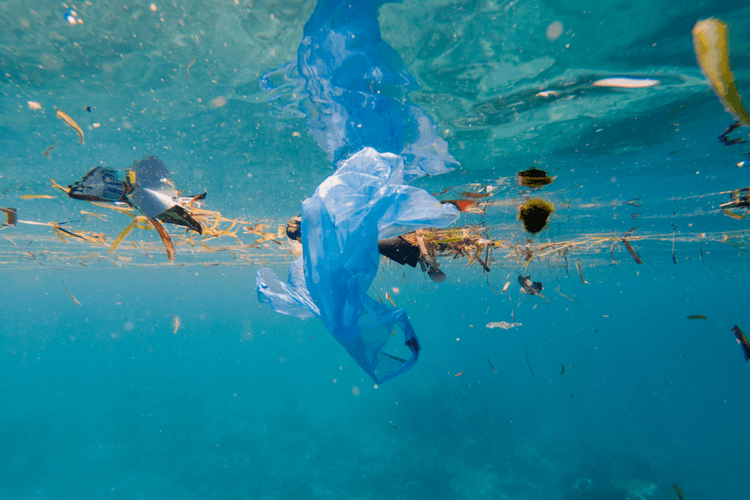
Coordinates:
(105, 400)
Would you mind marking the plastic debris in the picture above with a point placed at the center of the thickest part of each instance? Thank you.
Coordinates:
(364, 201)
(361, 116)
(626, 83)
(149, 188)
(529, 287)
(502, 324)
(360, 90)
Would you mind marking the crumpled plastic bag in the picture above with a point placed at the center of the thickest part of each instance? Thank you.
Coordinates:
(363, 201)
(360, 90)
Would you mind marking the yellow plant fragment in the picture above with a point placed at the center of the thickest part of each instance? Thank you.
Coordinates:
(125, 232)
(710, 40)
(71, 123)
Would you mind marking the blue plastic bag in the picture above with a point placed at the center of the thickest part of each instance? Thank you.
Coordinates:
(359, 88)
(365, 200)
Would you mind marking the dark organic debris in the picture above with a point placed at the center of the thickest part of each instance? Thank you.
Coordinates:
(490, 362)
(679, 493)
(534, 214)
(632, 251)
(580, 273)
(533, 178)
(738, 199)
(11, 216)
(697, 316)
(742, 341)
(563, 369)
(526, 346)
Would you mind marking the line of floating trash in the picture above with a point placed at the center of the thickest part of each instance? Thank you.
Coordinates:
(426, 247)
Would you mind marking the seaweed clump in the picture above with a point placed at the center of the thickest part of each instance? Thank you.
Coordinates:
(533, 178)
(534, 214)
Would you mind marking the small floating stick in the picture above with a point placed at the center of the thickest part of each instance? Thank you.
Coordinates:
(490, 362)
(70, 294)
(679, 493)
(632, 251)
(580, 273)
(527, 358)
(187, 69)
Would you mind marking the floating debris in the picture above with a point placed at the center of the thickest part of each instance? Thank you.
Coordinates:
(503, 325)
(187, 69)
(710, 41)
(580, 273)
(458, 374)
(529, 287)
(697, 316)
(11, 216)
(679, 493)
(34, 105)
(468, 206)
(36, 197)
(632, 251)
(563, 369)
(490, 362)
(626, 83)
(71, 123)
(739, 198)
(526, 346)
(70, 294)
(742, 341)
(175, 324)
(476, 196)
(534, 178)
(534, 214)
(50, 148)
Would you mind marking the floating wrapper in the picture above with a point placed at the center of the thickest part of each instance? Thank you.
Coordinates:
(153, 188)
(100, 184)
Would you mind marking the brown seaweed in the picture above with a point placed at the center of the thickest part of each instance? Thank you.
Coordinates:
(742, 341)
(679, 493)
(534, 214)
(11, 216)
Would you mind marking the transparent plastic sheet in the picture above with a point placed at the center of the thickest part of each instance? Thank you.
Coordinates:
(363, 201)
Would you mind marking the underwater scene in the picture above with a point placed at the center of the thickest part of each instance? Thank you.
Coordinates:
(428, 249)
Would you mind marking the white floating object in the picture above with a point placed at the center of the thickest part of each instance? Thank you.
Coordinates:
(503, 325)
(626, 83)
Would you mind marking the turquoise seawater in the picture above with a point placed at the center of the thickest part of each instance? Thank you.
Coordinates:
(104, 396)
